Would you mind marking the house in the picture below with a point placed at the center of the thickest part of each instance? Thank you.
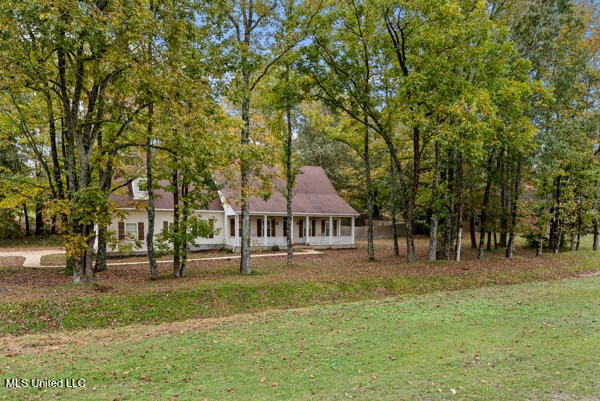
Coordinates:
(321, 218)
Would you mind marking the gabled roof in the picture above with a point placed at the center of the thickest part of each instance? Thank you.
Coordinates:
(313, 194)
(163, 200)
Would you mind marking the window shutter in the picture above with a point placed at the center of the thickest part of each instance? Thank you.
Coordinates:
(335, 228)
(322, 227)
(141, 230)
(165, 226)
(121, 230)
(211, 227)
(259, 229)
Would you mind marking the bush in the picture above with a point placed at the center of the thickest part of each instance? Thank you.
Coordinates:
(533, 240)
(9, 226)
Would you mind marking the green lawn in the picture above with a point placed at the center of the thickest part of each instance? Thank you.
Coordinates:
(536, 341)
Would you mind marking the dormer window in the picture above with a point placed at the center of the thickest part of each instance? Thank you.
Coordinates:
(139, 186)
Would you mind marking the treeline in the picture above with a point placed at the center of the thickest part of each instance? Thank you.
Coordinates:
(441, 112)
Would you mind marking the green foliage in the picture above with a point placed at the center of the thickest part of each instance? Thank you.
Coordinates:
(196, 227)
(91, 206)
(9, 226)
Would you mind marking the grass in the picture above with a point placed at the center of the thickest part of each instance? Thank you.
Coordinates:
(535, 341)
(36, 241)
(43, 300)
(53, 260)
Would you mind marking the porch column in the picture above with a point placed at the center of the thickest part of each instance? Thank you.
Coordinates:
(307, 230)
(352, 230)
(330, 230)
(265, 222)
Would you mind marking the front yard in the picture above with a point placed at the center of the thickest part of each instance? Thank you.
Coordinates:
(44, 300)
(534, 341)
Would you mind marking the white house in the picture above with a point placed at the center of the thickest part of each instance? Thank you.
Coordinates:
(321, 218)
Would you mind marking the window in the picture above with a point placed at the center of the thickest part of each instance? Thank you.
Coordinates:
(323, 227)
(259, 228)
(211, 226)
(139, 188)
(232, 226)
(131, 231)
(273, 228)
(142, 185)
(335, 228)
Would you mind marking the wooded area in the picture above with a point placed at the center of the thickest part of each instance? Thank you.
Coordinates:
(445, 111)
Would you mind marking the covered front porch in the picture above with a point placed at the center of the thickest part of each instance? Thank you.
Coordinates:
(269, 231)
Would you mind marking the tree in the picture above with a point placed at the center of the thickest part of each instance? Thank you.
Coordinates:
(251, 51)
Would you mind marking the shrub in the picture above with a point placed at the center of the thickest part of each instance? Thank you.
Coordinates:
(9, 226)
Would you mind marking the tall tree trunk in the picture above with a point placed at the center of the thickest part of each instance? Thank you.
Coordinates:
(370, 247)
(56, 169)
(503, 166)
(26, 216)
(406, 198)
(410, 242)
(515, 202)
(185, 215)
(393, 208)
(503, 215)
(433, 230)
(39, 219)
(556, 229)
(101, 252)
(289, 182)
(596, 218)
(460, 204)
(150, 192)
(416, 175)
(579, 224)
(450, 215)
(484, 208)
(176, 225)
(472, 231)
(245, 260)
(105, 181)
